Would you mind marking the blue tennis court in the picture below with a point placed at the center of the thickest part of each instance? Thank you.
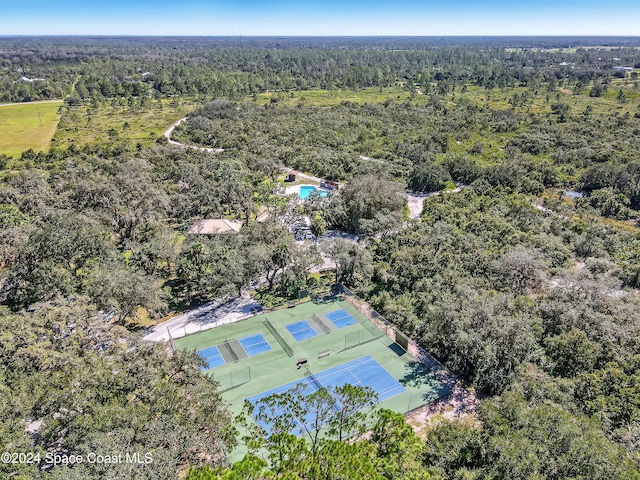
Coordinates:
(364, 371)
(212, 356)
(255, 344)
(301, 330)
(341, 318)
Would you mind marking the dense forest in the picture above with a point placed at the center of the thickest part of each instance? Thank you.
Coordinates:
(103, 69)
(521, 273)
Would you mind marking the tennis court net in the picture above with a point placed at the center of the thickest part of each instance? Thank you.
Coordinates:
(283, 343)
(317, 321)
(229, 349)
(313, 378)
(233, 379)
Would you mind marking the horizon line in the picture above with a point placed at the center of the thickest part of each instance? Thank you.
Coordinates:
(314, 36)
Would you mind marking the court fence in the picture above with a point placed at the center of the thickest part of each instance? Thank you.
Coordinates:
(360, 337)
(402, 339)
(233, 379)
(377, 328)
(310, 295)
(172, 344)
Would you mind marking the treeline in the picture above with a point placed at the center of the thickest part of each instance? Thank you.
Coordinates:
(98, 69)
(516, 441)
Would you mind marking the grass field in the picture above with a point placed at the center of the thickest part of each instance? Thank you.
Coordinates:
(25, 126)
(108, 124)
(329, 98)
(495, 98)
(250, 376)
(541, 104)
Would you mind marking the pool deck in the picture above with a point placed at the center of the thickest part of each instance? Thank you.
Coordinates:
(295, 189)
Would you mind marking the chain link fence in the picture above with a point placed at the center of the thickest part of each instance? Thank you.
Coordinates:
(397, 335)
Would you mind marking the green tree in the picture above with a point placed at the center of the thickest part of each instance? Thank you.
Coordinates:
(353, 262)
(398, 449)
(11, 216)
(546, 441)
(572, 353)
(122, 291)
(365, 199)
(455, 449)
(355, 403)
(428, 177)
(520, 269)
(320, 450)
(318, 224)
(85, 385)
(622, 97)
(562, 110)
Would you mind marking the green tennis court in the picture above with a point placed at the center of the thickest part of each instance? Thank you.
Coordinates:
(363, 372)
(341, 334)
(234, 350)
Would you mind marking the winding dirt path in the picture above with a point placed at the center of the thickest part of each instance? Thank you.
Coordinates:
(416, 200)
(170, 130)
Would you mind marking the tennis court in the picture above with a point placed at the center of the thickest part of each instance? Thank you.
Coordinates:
(331, 337)
(255, 344)
(364, 372)
(301, 330)
(234, 350)
(212, 356)
(318, 325)
(341, 318)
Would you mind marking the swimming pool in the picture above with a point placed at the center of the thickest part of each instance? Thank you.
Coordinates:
(305, 191)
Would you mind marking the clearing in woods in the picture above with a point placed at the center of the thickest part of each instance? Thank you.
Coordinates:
(25, 126)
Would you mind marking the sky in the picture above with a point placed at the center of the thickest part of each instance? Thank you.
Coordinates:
(319, 18)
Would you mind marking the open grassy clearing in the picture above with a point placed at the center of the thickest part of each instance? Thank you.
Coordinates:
(329, 98)
(107, 124)
(541, 104)
(83, 125)
(25, 126)
(495, 98)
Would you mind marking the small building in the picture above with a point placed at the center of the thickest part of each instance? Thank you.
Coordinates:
(291, 177)
(215, 226)
(329, 185)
